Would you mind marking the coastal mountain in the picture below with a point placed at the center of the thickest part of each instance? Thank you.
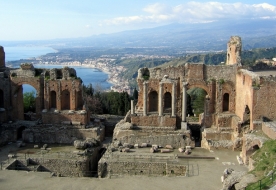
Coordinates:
(186, 37)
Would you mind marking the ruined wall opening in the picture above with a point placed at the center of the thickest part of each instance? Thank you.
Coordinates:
(29, 102)
(59, 74)
(53, 100)
(20, 132)
(196, 134)
(65, 100)
(2, 99)
(79, 99)
(246, 115)
(252, 149)
(197, 101)
(167, 100)
(225, 106)
(153, 101)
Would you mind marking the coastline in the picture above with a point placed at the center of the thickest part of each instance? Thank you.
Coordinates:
(83, 66)
(41, 56)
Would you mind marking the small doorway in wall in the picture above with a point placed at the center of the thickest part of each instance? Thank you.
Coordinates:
(167, 101)
(225, 102)
(65, 100)
(53, 100)
(20, 132)
(196, 134)
(153, 101)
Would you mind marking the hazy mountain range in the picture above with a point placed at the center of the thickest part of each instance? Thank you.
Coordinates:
(200, 36)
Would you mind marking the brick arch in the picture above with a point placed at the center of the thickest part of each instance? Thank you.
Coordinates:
(17, 93)
(19, 84)
(204, 87)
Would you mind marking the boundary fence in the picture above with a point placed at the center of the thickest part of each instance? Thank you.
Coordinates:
(263, 183)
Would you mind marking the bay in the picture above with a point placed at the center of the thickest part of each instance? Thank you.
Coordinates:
(25, 52)
(96, 77)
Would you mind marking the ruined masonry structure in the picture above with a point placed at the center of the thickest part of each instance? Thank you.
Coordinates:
(58, 93)
(60, 117)
(236, 99)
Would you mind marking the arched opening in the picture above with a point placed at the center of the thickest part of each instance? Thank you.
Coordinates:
(252, 150)
(53, 99)
(167, 100)
(65, 100)
(153, 101)
(246, 115)
(79, 99)
(197, 101)
(29, 102)
(2, 105)
(20, 132)
(225, 102)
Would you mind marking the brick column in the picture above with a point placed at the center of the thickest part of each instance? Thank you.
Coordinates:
(145, 95)
(173, 99)
(160, 100)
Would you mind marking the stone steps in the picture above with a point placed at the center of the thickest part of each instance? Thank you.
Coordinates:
(217, 144)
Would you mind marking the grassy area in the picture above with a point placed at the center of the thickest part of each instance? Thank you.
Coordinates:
(265, 159)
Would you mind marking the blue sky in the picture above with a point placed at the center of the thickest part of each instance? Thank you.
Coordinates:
(52, 19)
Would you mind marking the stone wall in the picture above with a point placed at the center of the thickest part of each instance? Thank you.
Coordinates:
(269, 128)
(80, 117)
(176, 140)
(64, 134)
(152, 120)
(140, 168)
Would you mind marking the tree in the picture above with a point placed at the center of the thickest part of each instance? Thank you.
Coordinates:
(29, 101)
(135, 94)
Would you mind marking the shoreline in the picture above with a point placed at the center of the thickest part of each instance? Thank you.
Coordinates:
(83, 66)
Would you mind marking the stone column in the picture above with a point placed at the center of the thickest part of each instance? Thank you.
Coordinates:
(184, 106)
(160, 100)
(145, 95)
(173, 99)
(184, 101)
(132, 110)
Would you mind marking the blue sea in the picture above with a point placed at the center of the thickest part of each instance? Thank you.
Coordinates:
(96, 77)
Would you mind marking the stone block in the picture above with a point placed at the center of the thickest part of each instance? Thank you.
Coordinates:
(166, 150)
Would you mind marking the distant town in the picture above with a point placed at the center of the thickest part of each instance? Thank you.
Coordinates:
(105, 63)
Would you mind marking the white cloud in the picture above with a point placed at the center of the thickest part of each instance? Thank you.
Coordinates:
(196, 12)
